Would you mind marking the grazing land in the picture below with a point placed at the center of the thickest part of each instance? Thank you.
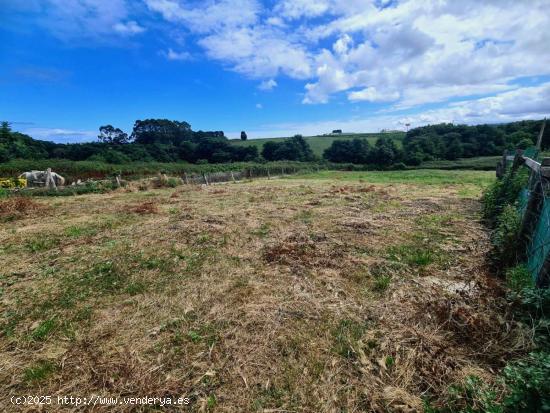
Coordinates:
(329, 292)
(319, 143)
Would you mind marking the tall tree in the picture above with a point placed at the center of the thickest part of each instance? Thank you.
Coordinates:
(112, 135)
(243, 136)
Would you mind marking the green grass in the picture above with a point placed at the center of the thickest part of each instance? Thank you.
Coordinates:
(419, 177)
(482, 163)
(346, 335)
(320, 143)
(44, 329)
(39, 371)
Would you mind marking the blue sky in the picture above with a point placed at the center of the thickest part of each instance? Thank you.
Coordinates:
(272, 68)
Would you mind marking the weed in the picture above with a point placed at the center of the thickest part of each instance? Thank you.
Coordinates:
(382, 282)
(39, 371)
(306, 216)
(44, 329)
(413, 255)
(136, 288)
(41, 243)
(529, 384)
(211, 401)
(518, 278)
(505, 238)
(262, 231)
(471, 396)
(194, 336)
(78, 231)
(346, 334)
(104, 277)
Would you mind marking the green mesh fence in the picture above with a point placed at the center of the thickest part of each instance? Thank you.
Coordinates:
(523, 199)
(538, 246)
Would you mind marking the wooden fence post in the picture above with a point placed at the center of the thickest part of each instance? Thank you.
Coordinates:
(539, 138)
(268, 176)
(185, 178)
(232, 176)
(117, 178)
(205, 179)
(50, 183)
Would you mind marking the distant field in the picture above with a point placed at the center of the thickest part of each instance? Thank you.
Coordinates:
(485, 163)
(320, 143)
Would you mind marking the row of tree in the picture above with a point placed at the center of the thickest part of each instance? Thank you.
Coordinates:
(443, 141)
(171, 141)
(159, 140)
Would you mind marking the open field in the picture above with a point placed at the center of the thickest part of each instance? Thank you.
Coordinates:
(330, 292)
(320, 143)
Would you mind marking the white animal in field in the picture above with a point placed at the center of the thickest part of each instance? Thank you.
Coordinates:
(38, 178)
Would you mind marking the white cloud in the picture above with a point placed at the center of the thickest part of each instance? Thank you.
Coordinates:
(522, 103)
(208, 16)
(72, 20)
(413, 52)
(408, 52)
(258, 52)
(372, 94)
(129, 28)
(267, 85)
(61, 135)
(259, 106)
(170, 54)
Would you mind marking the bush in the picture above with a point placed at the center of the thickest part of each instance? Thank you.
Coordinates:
(502, 193)
(519, 278)
(505, 238)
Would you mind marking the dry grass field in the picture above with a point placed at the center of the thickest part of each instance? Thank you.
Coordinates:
(335, 292)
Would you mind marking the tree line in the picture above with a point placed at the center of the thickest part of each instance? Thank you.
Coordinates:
(444, 141)
(164, 140)
(160, 140)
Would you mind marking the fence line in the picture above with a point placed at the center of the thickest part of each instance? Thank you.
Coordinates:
(534, 209)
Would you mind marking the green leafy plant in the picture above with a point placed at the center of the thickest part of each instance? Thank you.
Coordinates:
(528, 381)
(518, 278)
(505, 238)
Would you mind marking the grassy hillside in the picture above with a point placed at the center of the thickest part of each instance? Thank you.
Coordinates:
(320, 143)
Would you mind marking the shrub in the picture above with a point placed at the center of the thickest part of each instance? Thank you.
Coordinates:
(501, 193)
(518, 278)
(505, 238)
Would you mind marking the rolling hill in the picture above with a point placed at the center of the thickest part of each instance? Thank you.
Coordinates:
(320, 143)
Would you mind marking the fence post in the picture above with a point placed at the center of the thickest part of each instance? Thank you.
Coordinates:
(185, 178)
(117, 180)
(205, 179)
(268, 176)
(539, 138)
(232, 176)
(50, 183)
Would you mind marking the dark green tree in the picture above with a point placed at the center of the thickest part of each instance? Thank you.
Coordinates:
(111, 135)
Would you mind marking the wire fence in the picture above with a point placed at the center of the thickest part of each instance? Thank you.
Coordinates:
(534, 209)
